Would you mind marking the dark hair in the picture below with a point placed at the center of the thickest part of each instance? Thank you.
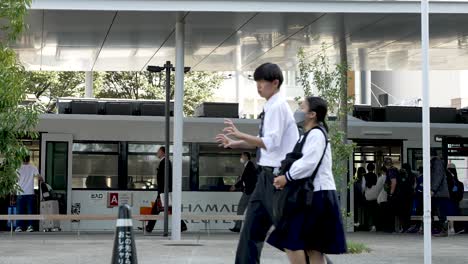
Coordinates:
(269, 72)
(247, 154)
(370, 167)
(163, 149)
(388, 161)
(384, 169)
(320, 107)
(27, 158)
(407, 167)
(361, 171)
(371, 179)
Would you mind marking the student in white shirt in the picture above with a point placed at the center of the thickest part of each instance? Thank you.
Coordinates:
(26, 196)
(315, 229)
(277, 135)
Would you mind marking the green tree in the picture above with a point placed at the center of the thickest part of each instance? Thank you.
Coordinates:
(54, 85)
(124, 84)
(16, 120)
(198, 87)
(329, 80)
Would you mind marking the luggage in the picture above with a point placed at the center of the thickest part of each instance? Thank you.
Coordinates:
(49, 207)
(11, 211)
(46, 192)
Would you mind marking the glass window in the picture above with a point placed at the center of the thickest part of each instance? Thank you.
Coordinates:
(95, 147)
(143, 164)
(95, 165)
(218, 168)
(152, 148)
(218, 173)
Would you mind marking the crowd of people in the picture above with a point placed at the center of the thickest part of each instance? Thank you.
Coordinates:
(386, 200)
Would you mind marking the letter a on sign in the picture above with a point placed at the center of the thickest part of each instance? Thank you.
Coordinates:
(112, 200)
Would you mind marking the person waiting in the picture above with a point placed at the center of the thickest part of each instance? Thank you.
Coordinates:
(371, 193)
(246, 183)
(26, 197)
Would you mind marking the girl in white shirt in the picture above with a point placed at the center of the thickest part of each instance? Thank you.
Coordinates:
(316, 229)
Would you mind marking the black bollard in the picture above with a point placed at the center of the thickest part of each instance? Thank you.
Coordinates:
(124, 251)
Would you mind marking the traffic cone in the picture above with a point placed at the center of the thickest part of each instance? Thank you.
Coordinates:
(124, 251)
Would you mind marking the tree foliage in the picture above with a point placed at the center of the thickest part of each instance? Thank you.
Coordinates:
(16, 120)
(53, 85)
(329, 80)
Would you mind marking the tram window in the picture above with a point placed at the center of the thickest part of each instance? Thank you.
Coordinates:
(143, 165)
(142, 172)
(218, 172)
(152, 148)
(95, 147)
(95, 166)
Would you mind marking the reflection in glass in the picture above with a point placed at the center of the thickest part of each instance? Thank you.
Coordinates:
(95, 171)
(142, 169)
(151, 148)
(95, 147)
(218, 173)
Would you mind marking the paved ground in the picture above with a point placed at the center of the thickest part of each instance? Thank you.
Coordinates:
(39, 248)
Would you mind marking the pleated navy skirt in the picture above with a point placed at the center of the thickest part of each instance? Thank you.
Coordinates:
(318, 227)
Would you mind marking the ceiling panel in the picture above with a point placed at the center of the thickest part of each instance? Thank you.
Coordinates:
(327, 32)
(133, 39)
(262, 33)
(205, 32)
(72, 40)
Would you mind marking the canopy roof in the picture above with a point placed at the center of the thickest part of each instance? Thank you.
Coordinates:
(115, 35)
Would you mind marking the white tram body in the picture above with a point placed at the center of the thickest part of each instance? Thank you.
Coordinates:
(94, 159)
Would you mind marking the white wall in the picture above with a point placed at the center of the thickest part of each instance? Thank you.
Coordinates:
(404, 85)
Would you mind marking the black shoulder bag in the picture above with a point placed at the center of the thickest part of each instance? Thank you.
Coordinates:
(296, 194)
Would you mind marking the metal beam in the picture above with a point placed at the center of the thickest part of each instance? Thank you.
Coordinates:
(343, 6)
(178, 128)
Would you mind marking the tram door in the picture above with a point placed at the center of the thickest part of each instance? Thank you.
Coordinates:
(56, 166)
(366, 152)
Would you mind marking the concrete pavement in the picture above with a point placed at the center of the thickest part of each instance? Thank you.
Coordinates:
(54, 248)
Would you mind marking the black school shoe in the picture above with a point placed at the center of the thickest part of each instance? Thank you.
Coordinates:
(235, 230)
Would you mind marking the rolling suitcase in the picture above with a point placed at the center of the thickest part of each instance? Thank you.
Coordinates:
(48, 207)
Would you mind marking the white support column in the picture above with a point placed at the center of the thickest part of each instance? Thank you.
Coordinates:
(238, 75)
(89, 84)
(178, 129)
(365, 78)
(426, 139)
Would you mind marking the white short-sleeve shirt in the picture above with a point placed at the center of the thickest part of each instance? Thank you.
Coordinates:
(26, 178)
(280, 132)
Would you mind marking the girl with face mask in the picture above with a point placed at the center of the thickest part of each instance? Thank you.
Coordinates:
(316, 228)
